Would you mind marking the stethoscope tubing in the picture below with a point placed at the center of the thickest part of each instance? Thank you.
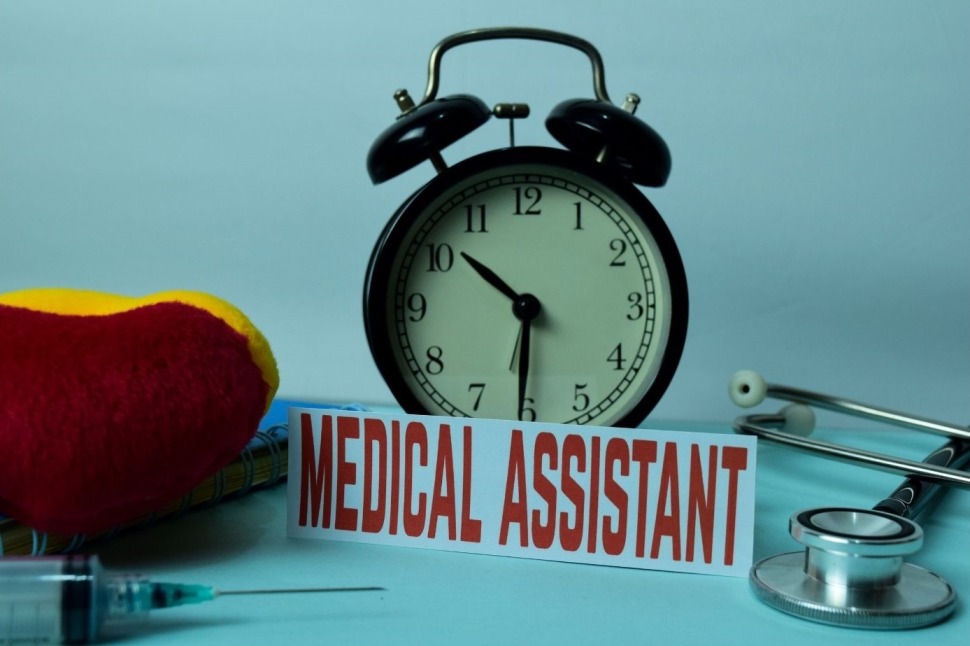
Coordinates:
(761, 425)
(754, 425)
(866, 411)
(916, 495)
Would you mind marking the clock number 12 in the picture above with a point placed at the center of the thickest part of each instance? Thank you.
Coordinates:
(528, 197)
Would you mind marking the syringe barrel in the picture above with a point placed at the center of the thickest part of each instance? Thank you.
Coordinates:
(49, 599)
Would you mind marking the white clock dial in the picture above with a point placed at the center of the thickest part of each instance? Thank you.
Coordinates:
(528, 291)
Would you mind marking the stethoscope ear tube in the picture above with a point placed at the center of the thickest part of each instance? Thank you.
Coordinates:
(790, 426)
(852, 572)
(747, 388)
(758, 425)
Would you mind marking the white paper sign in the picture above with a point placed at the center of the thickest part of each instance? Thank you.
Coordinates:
(664, 500)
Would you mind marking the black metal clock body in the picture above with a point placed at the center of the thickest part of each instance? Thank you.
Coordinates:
(527, 283)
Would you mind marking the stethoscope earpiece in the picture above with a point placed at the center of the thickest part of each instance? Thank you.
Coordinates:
(747, 388)
(794, 422)
(799, 420)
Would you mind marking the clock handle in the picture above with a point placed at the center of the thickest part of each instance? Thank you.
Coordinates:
(594, 128)
(520, 33)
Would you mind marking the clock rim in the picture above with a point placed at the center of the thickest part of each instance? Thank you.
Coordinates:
(382, 257)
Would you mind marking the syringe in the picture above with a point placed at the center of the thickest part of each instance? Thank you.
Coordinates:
(69, 599)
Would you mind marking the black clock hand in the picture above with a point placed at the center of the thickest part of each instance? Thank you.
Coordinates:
(524, 363)
(526, 308)
(490, 276)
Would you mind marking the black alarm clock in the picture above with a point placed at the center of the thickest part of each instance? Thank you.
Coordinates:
(527, 282)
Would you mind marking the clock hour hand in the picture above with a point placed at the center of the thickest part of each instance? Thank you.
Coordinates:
(490, 277)
(525, 306)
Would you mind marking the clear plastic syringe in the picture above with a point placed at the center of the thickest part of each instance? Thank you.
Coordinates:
(69, 599)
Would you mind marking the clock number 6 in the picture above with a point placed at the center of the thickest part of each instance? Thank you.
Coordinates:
(528, 413)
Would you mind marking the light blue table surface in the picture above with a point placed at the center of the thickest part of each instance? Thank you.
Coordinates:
(437, 597)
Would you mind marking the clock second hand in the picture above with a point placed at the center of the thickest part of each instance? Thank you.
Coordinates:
(526, 307)
(515, 350)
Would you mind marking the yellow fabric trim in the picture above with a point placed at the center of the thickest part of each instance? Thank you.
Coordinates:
(77, 302)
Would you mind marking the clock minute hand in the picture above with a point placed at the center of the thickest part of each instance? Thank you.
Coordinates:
(526, 309)
(524, 363)
(490, 277)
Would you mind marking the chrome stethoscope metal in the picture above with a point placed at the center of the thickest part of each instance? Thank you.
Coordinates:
(852, 572)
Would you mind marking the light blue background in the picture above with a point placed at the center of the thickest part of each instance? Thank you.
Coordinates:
(819, 193)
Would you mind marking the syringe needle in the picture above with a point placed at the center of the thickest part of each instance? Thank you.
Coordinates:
(297, 590)
(168, 595)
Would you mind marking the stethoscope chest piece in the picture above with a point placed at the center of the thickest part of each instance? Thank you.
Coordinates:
(852, 572)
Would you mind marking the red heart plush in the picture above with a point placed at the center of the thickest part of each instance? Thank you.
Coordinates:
(111, 407)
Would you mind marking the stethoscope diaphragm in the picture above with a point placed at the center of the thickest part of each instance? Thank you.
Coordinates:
(852, 572)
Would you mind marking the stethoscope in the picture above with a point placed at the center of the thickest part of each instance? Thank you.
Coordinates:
(852, 572)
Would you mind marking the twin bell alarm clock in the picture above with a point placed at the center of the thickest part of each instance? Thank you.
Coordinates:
(527, 282)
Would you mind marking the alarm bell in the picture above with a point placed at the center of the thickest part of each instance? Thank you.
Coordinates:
(422, 133)
(594, 128)
(614, 136)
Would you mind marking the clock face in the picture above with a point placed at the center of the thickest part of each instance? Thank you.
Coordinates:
(529, 284)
